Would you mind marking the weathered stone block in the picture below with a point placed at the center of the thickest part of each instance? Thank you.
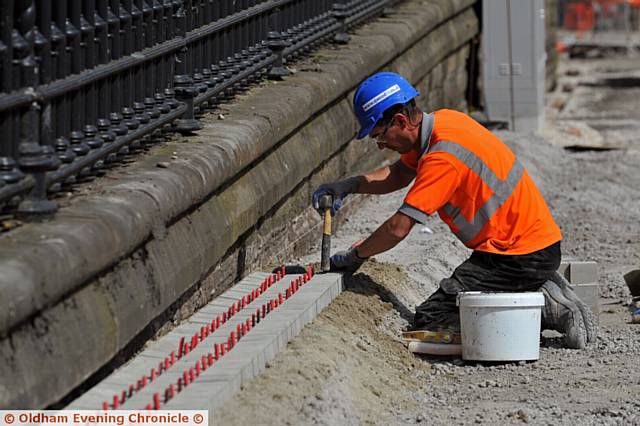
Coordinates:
(583, 272)
(589, 294)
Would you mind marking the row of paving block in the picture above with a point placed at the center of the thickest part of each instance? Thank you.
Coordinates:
(583, 277)
(205, 360)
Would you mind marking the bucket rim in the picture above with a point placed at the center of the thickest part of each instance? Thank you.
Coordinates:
(500, 299)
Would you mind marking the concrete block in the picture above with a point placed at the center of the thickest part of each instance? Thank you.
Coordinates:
(563, 269)
(583, 272)
(204, 395)
(589, 294)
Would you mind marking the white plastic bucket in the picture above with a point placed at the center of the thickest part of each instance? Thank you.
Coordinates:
(500, 326)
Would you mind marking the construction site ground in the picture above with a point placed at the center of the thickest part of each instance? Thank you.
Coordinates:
(349, 366)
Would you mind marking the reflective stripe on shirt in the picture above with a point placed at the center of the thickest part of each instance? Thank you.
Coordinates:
(502, 189)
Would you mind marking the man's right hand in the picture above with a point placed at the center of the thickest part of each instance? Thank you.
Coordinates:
(338, 190)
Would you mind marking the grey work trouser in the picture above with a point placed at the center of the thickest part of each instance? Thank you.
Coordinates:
(490, 273)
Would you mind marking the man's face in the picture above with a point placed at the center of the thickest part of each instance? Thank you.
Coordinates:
(389, 134)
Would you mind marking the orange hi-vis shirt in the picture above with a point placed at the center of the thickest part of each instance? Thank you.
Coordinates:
(477, 186)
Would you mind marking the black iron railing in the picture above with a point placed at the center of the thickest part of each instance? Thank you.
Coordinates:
(85, 83)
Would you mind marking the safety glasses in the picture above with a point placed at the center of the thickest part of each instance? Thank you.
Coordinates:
(380, 137)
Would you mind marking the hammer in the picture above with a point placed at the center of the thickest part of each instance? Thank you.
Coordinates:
(325, 203)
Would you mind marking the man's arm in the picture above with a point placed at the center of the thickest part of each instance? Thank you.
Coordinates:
(386, 179)
(387, 236)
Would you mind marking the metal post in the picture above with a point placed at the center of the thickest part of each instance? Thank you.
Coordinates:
(276, 43)
(42, 40)
(341, 13)
(184, 90)
(33, 158)
(42, 48)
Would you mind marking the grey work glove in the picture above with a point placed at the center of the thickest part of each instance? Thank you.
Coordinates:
(338, 190)
(346, 261)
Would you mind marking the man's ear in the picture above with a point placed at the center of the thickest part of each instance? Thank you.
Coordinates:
(401, 119)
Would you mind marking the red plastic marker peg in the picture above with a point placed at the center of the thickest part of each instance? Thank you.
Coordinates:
(131, 390)
(264, 309)
(224, 317)
(105, 406)
(279, 298)
(144, 381)
(173, 358)
(171, 390)
(209, 359)
(283, 271)
(156, 401)
(153, 374)
(272, 304)
(218, 322)
(180, 347)
(242, 302)
(116, 400)
(185, 378)
(197, 373)
(243, 330)
(148, 407)
(278, 276)
(238, 330)
(160, 367)
(203, 363)
(123, 397)
(192, 375)
(216, 351)
(253, 320)
(239, 306)
(212, 326)
(180, 384)
(222, 350)
(233, 339)
(167, 395)
(233, 310)
(248, 325)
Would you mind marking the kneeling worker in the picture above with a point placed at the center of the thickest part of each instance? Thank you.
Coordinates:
(479, 189)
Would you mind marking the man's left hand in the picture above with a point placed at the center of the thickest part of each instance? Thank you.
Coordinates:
(346, 261)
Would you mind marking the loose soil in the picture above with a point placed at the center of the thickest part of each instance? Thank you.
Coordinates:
(349, 366)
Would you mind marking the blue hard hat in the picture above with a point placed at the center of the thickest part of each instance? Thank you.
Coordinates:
(377, 94)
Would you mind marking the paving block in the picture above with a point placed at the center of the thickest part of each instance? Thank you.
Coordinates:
(583, 272)
(589, 294)
(563, 269)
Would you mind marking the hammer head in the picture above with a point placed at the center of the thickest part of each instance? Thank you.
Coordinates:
(325, 201)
